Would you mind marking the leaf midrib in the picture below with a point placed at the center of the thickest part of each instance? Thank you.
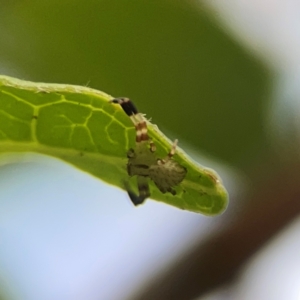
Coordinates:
(19, 147)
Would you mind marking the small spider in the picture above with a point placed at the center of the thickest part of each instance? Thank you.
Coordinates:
(142, 161)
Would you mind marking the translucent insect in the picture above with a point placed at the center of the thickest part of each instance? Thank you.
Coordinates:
(166, 173)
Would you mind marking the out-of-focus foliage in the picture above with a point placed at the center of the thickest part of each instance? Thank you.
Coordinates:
(169, 56)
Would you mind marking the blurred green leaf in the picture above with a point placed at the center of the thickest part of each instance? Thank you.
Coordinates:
(171, 55)
(80, 126)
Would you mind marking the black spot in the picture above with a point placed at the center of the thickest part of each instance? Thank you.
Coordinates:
(202, 193)
(142, 166)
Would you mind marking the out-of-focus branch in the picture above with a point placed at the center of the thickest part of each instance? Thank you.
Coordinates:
(216, 260)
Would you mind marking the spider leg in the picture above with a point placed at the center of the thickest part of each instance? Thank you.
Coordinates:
(127, 105)
(137, 119)
(152, 146)
(144, 192)
(170, 154)
(173, 149)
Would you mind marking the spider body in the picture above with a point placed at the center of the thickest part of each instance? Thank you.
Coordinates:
(140, 160)
(166, 173)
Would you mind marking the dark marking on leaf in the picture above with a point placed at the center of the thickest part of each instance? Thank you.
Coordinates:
(202, 193)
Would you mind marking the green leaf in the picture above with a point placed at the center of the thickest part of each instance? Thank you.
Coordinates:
(80, 126)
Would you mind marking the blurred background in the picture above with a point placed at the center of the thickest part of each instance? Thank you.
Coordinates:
(221, 76)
